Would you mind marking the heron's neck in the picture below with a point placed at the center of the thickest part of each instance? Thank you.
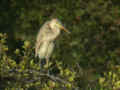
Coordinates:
(56, 33)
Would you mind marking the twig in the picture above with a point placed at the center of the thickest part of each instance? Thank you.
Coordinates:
(40, 74)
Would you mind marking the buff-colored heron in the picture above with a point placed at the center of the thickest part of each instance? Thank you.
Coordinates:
(46, 37)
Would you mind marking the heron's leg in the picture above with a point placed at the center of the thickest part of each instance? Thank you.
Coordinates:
(39, 62)
(47, 65)
(47, 62)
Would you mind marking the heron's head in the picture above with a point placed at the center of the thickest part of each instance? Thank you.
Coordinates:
(56, 24)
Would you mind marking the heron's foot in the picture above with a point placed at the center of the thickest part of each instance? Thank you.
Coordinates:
(47, 65)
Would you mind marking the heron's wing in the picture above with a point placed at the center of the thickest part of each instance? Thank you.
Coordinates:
(37, 47)
(50, 49)
(41, 37)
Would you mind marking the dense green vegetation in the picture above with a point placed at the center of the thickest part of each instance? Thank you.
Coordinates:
(87, 59)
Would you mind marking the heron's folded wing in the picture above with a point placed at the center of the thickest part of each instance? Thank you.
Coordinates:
(42, 34)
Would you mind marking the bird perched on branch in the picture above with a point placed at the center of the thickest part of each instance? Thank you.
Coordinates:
(45, 38)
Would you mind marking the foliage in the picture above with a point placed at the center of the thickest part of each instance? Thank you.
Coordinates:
(25, 73)
(111, 79)
(90, 52)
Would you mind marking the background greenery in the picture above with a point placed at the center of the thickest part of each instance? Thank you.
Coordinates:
(87, 59)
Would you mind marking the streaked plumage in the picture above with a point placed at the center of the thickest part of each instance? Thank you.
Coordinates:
(47, 34)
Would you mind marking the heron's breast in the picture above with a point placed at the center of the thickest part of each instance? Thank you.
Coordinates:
(43, 50)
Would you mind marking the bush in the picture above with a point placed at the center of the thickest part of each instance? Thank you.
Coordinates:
(25, 71)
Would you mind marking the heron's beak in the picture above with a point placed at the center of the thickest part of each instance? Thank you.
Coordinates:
(63, 28)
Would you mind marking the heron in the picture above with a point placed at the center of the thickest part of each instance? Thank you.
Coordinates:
(46, 36)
